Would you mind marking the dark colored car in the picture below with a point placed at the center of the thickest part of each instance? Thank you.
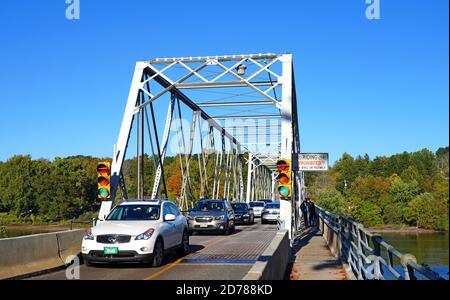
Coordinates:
(211, 215)
(266, 200)
(243, 213)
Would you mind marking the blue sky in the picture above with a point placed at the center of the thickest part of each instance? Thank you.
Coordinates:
(364, 86)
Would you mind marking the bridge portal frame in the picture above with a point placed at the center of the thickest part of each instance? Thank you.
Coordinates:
(261, 165)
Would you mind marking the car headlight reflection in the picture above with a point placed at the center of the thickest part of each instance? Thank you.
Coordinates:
(145, 235)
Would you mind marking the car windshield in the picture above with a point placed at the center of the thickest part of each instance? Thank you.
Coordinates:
(239, 206)
(210, 206)
(257, 204)
(272, 205)
(134, 213)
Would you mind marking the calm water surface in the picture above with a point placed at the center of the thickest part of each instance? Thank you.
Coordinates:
(429, 248)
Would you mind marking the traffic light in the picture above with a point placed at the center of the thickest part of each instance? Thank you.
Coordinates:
(104, 180)
(284, 178)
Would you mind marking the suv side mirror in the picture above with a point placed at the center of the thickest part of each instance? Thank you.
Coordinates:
(169, 217)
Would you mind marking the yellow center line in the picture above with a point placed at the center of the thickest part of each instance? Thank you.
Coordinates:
(168, 267)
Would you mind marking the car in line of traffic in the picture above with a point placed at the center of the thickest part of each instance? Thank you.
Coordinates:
(140, 231)
(258, 207)
(211, 215)
(243, 213)
(270, 213)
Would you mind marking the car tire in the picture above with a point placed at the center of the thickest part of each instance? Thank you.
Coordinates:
(262, 221)
(226, 231)
(184, 246)
(87, 263)
(158, 253)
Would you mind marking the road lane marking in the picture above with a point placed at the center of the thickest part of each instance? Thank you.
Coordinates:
(175, 263)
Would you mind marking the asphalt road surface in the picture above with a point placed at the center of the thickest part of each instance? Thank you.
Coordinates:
(211, 257)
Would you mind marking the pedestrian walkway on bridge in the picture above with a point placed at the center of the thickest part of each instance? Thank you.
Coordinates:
(313, 258)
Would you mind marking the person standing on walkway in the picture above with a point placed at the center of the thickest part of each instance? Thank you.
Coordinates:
(312, 213)
(304, 208)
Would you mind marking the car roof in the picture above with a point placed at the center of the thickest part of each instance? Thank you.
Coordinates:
(144, 201)
(221, 200)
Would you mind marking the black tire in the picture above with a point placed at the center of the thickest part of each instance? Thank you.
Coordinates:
(226, 231)
(158, 253)
(184, 246)
(87, 263)
(262, 221)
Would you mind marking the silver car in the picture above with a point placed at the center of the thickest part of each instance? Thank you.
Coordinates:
(212, 215)
(258, 207)
(271, 212)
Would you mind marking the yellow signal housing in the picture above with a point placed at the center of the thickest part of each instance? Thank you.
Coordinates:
(284, 178)
(104, 180)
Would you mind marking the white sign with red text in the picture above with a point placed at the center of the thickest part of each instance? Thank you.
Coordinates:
(313, 161)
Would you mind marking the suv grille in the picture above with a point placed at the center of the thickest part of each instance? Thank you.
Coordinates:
(203, 219)
(113, 239)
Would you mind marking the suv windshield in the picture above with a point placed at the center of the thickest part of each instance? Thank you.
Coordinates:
(134, 213)
(257, 204)
(272, 205)
(210, 205)
(239, 206)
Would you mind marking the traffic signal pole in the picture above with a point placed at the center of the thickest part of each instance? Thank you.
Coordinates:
(286, 136)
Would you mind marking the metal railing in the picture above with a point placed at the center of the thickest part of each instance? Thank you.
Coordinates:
(367, 254)
(93, 222)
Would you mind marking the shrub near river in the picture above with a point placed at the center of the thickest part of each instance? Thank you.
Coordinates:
(404, 189)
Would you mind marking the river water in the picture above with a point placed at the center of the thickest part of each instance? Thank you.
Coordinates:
(429, 248)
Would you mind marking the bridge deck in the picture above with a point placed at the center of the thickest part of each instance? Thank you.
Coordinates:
(313, 259)
(211, 257)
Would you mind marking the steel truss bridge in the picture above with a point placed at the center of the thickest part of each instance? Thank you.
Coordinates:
(221, 116)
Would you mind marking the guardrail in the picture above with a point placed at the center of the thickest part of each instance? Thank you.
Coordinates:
(273, 262)
(34, 254)
(367, 254)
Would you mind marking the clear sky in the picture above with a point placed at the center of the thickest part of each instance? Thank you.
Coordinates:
(364, 86)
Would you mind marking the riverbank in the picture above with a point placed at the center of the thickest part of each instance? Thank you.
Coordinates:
(400, 229)
(28, 229)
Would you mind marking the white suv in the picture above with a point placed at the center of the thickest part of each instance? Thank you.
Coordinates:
(137, 231)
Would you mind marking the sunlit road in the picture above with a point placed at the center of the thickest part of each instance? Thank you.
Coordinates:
(211, 257)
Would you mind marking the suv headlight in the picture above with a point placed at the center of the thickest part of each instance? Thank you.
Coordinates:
(88, 234)
(190, 217)
(145, 235)
(219, 218)
(246, 215)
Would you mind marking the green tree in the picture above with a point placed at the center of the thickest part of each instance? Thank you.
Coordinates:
(329, 199)
(425, 211)
(369, 214)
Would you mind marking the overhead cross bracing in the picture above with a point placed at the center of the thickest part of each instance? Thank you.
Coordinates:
(215, 114)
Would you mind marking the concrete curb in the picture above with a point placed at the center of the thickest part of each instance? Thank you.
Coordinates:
(272, 264)
(36, 253)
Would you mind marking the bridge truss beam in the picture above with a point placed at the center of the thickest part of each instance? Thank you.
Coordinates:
(246, 115)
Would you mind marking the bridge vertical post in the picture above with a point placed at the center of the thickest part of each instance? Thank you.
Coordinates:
(124, 135)
(287, 135)
(249, 177)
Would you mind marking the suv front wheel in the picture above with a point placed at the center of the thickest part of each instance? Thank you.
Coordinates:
(158, 253)
(184, 246)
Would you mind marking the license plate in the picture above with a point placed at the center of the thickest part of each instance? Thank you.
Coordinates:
(111, 250)
(204, 225)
